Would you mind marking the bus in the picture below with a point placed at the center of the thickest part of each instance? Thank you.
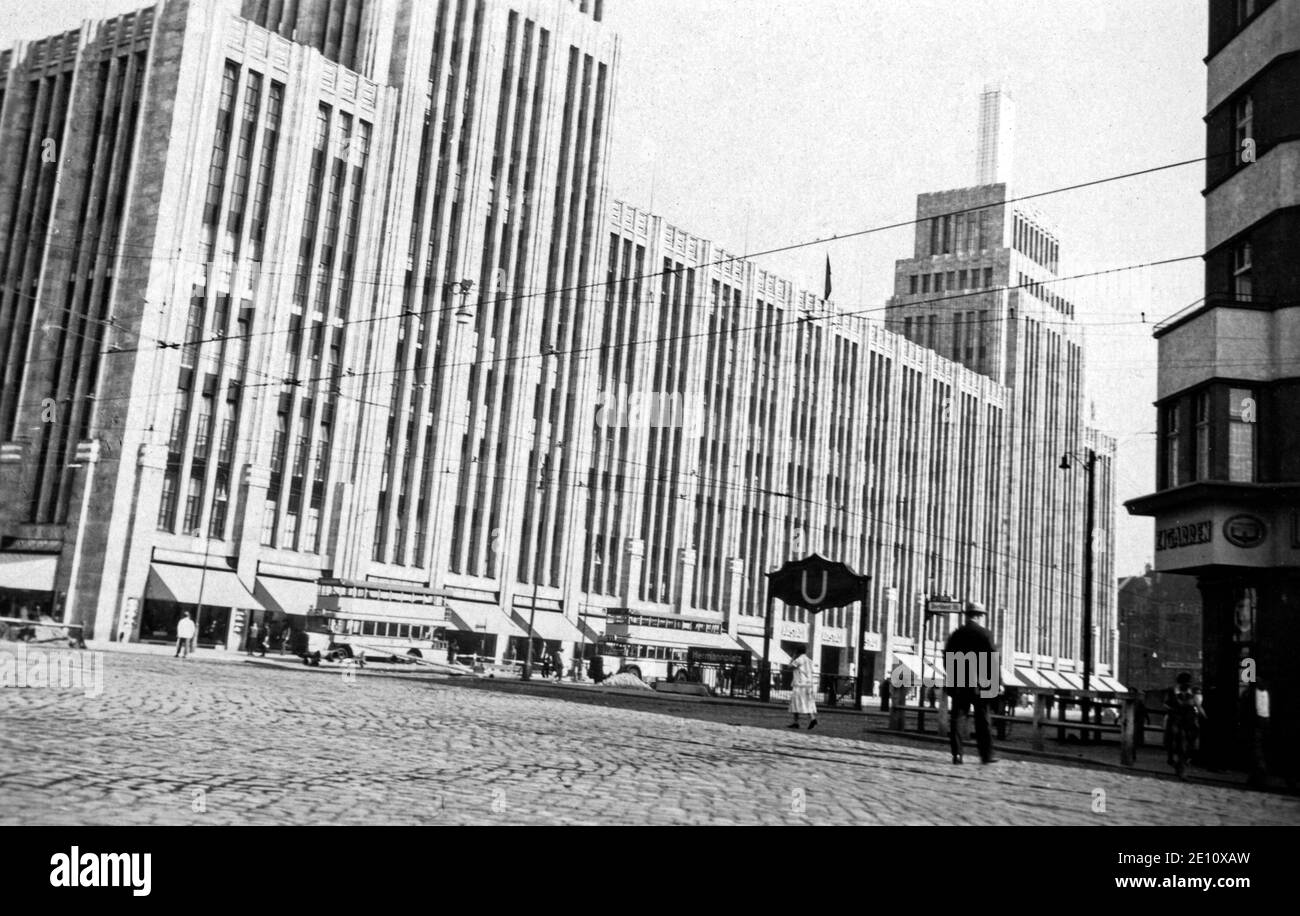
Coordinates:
(380, 618)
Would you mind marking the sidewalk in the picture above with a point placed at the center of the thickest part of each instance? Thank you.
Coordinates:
(169, 649)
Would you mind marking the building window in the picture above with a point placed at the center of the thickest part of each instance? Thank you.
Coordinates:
(911, 285)
(1171, 446)
(1246, 9)
(925, 283)
(988, 277)
(1202, 434)
(1241, 272)
(1241, 434)
(167, 504)
(938, 283)
(1243, 116)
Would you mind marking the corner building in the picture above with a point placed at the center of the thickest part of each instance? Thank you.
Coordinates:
(270, 271)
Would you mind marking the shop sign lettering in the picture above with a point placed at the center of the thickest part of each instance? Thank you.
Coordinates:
(1185, 535)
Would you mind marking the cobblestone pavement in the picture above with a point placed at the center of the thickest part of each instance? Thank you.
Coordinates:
(193, 742)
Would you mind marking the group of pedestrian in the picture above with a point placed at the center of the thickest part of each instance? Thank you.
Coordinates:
(970, 637)
(553, 663)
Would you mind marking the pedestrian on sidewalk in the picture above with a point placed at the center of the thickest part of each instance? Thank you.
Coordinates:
(546, 663)
(184, 633)
(254, 638)
(1256, 715)
(970, 637)
(803, 689)
(557, 664)
(884, 694)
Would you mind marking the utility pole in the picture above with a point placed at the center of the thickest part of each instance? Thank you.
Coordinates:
(1089, 529)
(1089, 538)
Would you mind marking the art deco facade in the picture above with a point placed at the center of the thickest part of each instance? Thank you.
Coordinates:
(235, 240)
(322, 304)
(981, 289)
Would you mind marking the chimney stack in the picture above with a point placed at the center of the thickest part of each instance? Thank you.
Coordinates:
(996, 131)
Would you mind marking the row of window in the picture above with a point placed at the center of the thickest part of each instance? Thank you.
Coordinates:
(387, 629)
(1217, 417)
(664, 623)
(952, 281)
(969, 341)
(1228, 17)
(654, 653)
(1042, 292)
(371, 593)
(1034, 243)
(960, 233)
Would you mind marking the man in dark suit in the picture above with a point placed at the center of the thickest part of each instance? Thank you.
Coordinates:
(971, 637)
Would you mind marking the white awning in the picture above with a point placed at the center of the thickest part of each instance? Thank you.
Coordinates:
(1033, 677)
(911, 664)
(549, 625)
(754, 644)
(287, 596)
(467, 617)
(32, 572)
(1055, 679)
(195, 585)
(1106, 682)
(1074, 680)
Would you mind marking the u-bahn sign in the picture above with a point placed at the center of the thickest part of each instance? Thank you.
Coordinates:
(816, 583)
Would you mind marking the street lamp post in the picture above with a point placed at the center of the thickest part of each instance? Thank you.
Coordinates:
(1090, 468)
(203, 578)
(547, 354)
(582, 651)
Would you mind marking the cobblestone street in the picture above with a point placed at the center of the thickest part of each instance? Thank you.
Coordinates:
(190, 742)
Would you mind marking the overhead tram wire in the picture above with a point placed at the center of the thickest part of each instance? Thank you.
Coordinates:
(560, 291)
(613, 346)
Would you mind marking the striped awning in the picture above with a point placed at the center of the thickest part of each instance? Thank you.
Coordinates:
(776, 655)
(467, 617)
(548, 625)
(1033, 677)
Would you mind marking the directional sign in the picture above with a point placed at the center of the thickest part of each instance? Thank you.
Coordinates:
(944, 607)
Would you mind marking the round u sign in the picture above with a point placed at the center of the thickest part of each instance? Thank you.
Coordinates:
(1245, 531)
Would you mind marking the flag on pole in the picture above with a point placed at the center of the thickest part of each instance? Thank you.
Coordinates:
(828, 278)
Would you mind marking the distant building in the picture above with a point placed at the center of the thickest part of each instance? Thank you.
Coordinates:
(1159, 629)
(1227, 507)
(978, 290)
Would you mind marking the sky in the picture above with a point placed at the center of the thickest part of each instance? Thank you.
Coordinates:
(761, 123)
